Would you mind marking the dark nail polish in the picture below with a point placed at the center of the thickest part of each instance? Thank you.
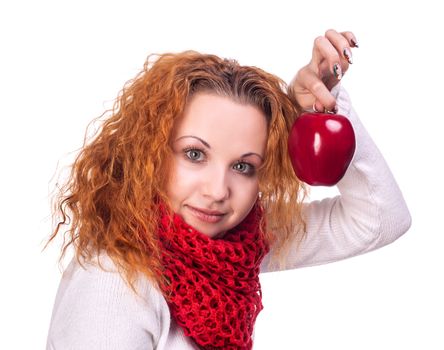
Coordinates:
(348, 55)
(337, 71)
(334, 110)
(354, 43)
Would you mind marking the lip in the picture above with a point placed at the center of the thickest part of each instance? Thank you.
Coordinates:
(210, 216)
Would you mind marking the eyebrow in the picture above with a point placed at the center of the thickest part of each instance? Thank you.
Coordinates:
(209, 147)
(195, 137)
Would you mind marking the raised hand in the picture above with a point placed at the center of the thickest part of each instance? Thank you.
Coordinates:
(330, 60)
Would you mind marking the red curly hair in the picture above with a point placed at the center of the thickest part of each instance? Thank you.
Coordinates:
(109, 201)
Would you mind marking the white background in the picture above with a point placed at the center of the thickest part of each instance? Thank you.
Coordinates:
(62, 63)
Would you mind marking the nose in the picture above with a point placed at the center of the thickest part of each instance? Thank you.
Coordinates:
(216, 185)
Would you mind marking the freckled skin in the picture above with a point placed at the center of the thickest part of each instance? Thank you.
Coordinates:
(218, 144)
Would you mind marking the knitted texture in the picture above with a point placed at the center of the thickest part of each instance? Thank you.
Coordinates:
(214, 292)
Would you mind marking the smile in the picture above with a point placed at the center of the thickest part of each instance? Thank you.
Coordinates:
(206, 215)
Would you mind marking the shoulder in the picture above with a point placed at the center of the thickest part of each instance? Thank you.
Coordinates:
(100, 278)
(95, 305)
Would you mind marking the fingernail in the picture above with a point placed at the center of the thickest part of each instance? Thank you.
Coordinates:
(354, 43)
(314, 107)
(348, 55)
(337, 71)
(334, 110)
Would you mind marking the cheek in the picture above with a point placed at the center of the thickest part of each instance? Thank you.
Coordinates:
(246, 193)
(181, 182)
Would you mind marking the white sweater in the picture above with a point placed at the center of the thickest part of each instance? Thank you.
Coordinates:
(95, 309)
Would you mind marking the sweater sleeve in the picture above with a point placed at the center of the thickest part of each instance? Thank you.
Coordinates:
(95, 309)
(369, 213)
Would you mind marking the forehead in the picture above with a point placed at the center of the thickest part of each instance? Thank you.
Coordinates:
(220, 118)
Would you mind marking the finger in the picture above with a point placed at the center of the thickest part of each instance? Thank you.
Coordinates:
(351, 38)
(323, 50)
(323, 99)
(341, 45)
(319, 107)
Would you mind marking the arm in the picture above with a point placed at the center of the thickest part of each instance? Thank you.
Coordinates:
(369, 213)
(95, 309)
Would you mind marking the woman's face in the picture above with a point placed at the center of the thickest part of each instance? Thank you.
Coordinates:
(218, 146)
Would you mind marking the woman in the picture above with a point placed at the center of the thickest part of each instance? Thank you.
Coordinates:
(187, 193)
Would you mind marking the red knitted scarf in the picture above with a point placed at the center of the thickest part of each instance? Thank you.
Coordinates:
(214, 292)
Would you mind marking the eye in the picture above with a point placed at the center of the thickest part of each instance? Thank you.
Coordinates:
(244, 168)
(195, 155)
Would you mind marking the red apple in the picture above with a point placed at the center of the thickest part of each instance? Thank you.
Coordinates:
(321, 147)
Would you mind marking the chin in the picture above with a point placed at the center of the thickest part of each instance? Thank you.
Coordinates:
(210, 232)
